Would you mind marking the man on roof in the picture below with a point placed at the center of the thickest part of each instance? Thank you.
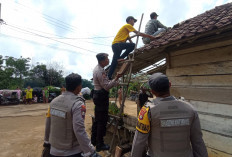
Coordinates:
(119, 44)
(152, 27)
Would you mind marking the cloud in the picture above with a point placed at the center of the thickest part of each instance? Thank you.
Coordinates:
(81, 19)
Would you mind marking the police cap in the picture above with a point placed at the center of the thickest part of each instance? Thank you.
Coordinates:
(159, 82)
(101, 56)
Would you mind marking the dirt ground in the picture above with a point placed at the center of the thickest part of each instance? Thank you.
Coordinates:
(22, 128)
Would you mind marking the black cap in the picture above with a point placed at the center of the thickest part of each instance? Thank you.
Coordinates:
(130, 17)
(101, 56)
(159, 82)
(153, 14)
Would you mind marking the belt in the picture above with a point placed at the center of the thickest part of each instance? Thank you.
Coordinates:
(102, 91)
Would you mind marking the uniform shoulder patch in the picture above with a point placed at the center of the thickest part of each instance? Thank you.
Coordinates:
(83, 111)
(48, 115)
(143, 123)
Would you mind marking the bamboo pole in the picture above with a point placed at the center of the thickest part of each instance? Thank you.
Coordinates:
(129, 74)
(125, 91)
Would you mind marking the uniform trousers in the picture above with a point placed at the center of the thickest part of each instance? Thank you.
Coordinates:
(101, 101)
(117, 50)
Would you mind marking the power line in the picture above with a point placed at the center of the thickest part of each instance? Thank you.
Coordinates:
(58, 37)
(73, 38)
(52, 39)
(55, 24)
(50, 46)
(47, 17)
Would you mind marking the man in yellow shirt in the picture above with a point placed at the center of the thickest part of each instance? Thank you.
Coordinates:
(28, 91)
(119, 44)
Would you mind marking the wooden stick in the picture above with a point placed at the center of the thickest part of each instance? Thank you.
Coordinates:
(126, 80)
(118, 151)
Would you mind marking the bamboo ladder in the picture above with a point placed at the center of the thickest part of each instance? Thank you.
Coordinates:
(127, 66)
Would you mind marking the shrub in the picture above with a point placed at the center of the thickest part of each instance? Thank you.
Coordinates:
(113, 108)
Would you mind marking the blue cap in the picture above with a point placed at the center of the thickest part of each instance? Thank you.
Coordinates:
(129, 18)
(159, 82)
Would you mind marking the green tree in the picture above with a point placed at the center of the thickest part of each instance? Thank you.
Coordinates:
(37, 76)
(1, 62)
(20, 66)
(87, 83)
(13, 72)
(43, 75)
(39, 71)
(54, 75)
(134, 86)
(5, 75)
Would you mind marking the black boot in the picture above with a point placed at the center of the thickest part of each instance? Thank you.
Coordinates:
(93, 141)
(101, 147)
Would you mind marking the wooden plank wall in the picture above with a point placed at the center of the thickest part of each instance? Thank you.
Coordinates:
(203, 76)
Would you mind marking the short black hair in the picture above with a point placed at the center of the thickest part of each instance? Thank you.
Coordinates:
(72, 81)
(152, 15)
(101, 56)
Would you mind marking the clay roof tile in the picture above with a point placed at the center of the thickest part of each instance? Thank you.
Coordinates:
(218, 17)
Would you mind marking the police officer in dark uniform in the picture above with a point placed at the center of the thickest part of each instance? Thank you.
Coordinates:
(171, 127)
(101, 100)
(65, 128)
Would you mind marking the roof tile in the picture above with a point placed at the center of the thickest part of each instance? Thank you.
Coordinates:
(218, 17)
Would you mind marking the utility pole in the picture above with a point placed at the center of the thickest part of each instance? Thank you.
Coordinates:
(1, 20)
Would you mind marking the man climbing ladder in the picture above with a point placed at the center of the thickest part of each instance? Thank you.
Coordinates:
(119, 44)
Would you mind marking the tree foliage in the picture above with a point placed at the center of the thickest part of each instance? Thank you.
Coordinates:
(87, 83)
(13, 72)
(17, 72)
(19, 66)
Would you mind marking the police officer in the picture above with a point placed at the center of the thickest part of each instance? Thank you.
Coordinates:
(170, 127)
(65, 129)
(101, 100)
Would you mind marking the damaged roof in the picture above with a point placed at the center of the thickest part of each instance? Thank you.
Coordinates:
(215, 19)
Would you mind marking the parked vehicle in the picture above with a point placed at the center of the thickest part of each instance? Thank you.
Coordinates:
(51, 96)
(9, 97)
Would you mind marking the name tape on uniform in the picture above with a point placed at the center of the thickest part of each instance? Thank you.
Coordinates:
(174, 122)
(58, 113)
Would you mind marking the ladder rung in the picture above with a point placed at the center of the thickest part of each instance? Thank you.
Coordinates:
(130, 60)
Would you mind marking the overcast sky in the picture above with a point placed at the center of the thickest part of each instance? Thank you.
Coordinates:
(72, 32)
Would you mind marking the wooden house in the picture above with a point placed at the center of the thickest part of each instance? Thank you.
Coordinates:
(198, 55)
